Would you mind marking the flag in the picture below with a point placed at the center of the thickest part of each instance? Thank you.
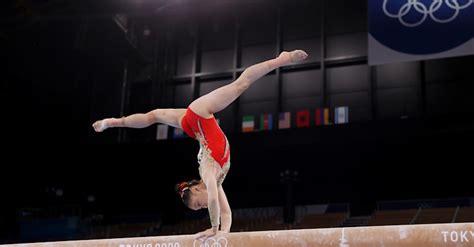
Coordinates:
(326, 116)
(302, 119)
(341, 115)
(178, 133)
(284, 120)
(266, 121)
(319, 116)
(248, 124)
(162, 132)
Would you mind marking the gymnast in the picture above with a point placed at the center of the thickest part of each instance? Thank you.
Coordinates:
(198, 122)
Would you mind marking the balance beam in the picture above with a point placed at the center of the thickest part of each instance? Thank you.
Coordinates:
(430, 235)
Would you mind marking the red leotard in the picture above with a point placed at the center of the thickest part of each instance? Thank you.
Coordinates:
(209, 135)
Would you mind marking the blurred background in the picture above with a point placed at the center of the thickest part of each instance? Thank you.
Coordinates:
(404, 145)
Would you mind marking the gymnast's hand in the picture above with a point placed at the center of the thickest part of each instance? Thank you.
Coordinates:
(206, 234)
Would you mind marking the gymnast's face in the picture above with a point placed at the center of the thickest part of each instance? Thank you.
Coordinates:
(198, 198)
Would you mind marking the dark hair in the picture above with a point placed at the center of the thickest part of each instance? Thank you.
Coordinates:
(184, 190)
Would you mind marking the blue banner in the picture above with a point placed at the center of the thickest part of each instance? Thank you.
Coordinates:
(409, 30)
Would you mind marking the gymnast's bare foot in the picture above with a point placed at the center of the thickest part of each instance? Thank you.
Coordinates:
(99, 126)
(286, 57)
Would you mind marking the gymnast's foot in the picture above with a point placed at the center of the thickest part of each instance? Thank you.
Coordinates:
(100, 125)
(286, 57)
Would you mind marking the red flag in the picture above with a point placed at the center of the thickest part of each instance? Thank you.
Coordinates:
(302, 119)
(319, 117)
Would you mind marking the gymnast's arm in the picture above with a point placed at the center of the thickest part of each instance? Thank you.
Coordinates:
(208, 176)
(226, 213)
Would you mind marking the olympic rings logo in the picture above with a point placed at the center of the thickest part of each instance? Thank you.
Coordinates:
(456, 5)
(211, 242)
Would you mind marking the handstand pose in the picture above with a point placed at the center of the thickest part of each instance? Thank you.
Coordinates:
(198, 122)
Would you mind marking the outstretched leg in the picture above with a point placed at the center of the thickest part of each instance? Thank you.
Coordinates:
(169, 117)
(220, 98)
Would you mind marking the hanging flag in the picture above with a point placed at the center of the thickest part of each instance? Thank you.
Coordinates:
(302, 119)
(284, 120)
(162, 132)
(178, 133)
(319, 116)
(341, 115)
(326, 116)
(266, 121)
(248, 124)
